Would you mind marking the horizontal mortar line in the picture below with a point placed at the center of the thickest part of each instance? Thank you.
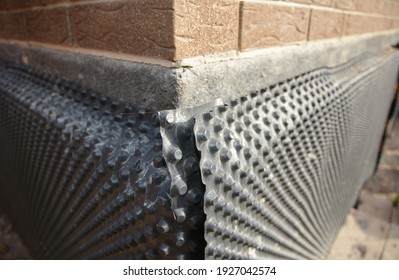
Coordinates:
(59, 5)
(321, 8)
(205, 59)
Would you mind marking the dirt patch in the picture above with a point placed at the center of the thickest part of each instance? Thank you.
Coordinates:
(11, 245)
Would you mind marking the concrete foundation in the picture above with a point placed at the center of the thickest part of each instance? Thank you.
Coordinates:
(194, 81)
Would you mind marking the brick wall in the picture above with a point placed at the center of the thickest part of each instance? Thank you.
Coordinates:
(178, 29)
(142, 27)
(264, 24)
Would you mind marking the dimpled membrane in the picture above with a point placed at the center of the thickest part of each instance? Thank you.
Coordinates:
(284, 165)
(270, 175)
(83, 176)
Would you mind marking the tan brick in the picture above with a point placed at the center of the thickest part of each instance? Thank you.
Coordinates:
(355, 24)
(143, 27)
(387, 7)
(391, 8)
(367, 6)
(205, 27)
(325, 24)
(345, 4)
(382, 24)
(371, 6)
(394, 9)
(264, 25)
(12, 26)
(48, 26)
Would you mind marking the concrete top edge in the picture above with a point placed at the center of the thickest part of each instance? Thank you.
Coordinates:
(372, 42)
(199, 80)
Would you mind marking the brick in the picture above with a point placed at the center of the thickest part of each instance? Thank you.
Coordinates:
(371, 6)
(324, 24)
(265, 25)
(367, 6)
(205, 27)
(143, 27)
(3, 6)
(48, 26)
(345, 4)
(12, 26)
(389, 8)
(355, 24)
(19, 4)
(394, 9)
(383, 24)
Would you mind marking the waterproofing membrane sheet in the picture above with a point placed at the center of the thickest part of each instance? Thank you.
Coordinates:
(270, 175)
(83, 176)
(284, 165)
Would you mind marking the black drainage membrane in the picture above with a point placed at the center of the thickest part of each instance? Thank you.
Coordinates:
(270, 175)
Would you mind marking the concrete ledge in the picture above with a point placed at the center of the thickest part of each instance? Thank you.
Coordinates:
(252, 71)
(199, 80)
(145, 85)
